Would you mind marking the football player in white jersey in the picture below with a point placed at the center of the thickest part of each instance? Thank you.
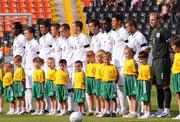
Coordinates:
(31, 51)
(19, 40)
(46, 42)
(118, 58)
(56, 48)
(67, 43)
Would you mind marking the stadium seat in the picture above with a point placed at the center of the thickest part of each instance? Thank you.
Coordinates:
(31, 10)
(4, 5)
(22, 10)
(12, 5)
(39, 16)
(30, 5)
(47, 10)
(5, 10)
(48, 16)
(21, 5)
(38, 4)
(39, 10)
(13, 10)
(46, 4)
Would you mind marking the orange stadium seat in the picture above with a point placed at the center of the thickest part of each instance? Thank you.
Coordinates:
(39, 16)
(5, 10)
(28, 1)
(46, 4)
(39, 10)
(21, 5)
(48, 16)
(12, 5)
(13, 10)
(38, 4)
(31, 10)
(4, 5)
(4, 1)
(47, 10)
(22, 10)
(30, 5)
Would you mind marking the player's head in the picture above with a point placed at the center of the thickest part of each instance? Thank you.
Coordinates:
(94, 26)
(131, 26)
(29, 33)
(106, 24)
(38, 62)
(55, 29)
(154, 19)
(7, 67)
(16, 28)
(107, 58)
(143, 57)
(175, 44)
(63, 64)
(51, 63)
(17, 60)
(129, 53)
(76, 117)
(77, 27)
(44, 27)
(117, 21)
(78, 66)
(65, 30)
(90, 56)
(99, 56)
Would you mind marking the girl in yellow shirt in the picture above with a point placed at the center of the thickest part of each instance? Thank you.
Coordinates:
(38, 86)
(175, 45)
(130, 71)
(49, 85)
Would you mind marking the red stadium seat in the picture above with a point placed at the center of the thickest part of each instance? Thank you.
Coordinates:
(13, 10)
(31, 10)
(38, 4)
(22, 10)
(28, 1)
(33, 21)
(5, 10)
(4, 1)
(48, 16)
(47, 10)
(39, 10)
(21, 5)
(46, 4)
(12, 5)
(30, 5)
(4, 5)
(39, 16)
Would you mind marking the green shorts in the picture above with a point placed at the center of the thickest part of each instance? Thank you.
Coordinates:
(109, 90)
(8, 94)
(79, 96)
(90, 85)
(129, 85)
(161, 69)
(49, 90)
(98, 87)
(176, 82)
(143, 92)
(1, 87)
(18, 88)
(61, 93)
(37, 90)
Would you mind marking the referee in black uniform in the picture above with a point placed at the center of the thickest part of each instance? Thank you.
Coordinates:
(161, 67)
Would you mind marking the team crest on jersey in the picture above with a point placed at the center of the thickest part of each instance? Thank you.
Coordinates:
(157, 35)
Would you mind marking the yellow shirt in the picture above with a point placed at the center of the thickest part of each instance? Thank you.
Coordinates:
(91, 70)
(144, 72)
(61, 77)
(98, 71)
(109, 73)
(1, 74)
(19, 74)
(79, 80)
(176, 64)
(7, 79)
(38, 76)
(130, 67)
(51, 74)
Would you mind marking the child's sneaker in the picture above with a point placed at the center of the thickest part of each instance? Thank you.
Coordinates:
(22, 112)
(177, 117)
(130, 115)
(157, 113)
(105, 115)
(89, 114)
(10, 112)
(164, 114)
(41, 112)
(17, 111)
(113, 114)
(35, 113)
(145, 116)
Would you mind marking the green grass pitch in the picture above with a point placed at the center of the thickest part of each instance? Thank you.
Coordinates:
(44, 118)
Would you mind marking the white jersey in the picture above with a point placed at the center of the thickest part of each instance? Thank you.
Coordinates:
(96, 42)
(31, 51)
(119, 40)
(57, 50)
(107, 42)
(19, 45)
(67, 50)
(46, 43)
(136, 42)
(81, 45)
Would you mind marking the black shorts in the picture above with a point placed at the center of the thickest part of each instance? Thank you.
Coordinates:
(161, 70)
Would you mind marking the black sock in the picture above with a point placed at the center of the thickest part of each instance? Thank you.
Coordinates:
(160, 97)
(167, 93)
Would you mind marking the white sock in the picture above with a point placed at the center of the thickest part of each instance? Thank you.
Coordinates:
(69, 101)
(1, 110)
(108, 112)
(18, 109)
(87, 99)
(29, 99)
(121, 99)
(47, 103)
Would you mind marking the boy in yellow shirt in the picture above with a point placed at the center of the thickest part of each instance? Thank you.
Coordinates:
(79, 87)
(61, 81)
(143, 93)
(18, 85)
(109, 79)
(1, 87)
(38, 86)
(8, 87)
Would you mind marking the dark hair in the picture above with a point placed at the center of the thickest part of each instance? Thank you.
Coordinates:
(8, 63)
(18, 26)
(131, 22)
(95, 22)
(143, 54)
(79, 24)
(30, 29)
(56, 26)
(65, 26)
(39, 60)
(45, 23)
(63, 61)
(107, 54)
(79, 62)
(107, 19)
(176, 41)
(118, 17)
(130, 49)
(18, 58)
